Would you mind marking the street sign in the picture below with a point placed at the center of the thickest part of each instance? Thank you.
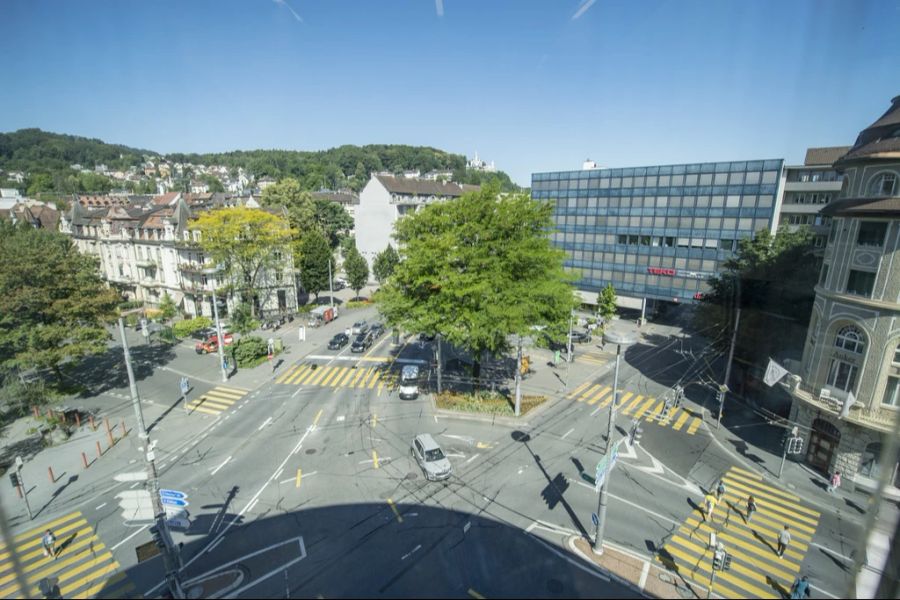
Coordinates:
(172, 494)
(185, 386)
(302, 333)
(175, 501)
(595, 519)
(135, 476)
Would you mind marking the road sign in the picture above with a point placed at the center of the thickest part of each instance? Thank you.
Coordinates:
(302, 333)
(172, 494)
(175, 502)
(595, 519)
(185, 386)
(135, 476)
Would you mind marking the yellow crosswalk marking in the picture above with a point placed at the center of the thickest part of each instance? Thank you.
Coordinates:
(623, 398)
(90, 577)
(705, 564)
(303, 377)
(654, 414)
(375, 377)
(320, 374)
(730, 537)
(360, 373)
(604, 392)
(365, 380)
(287, 374)
(328, 380)
(695, 425)
(696, 564)
(225, 393)
(56, 525)
(745, 473)
(579, 389)
(682, 419)
(344, 377)
(105, 587)
(587, 394)
(757, 483)
(644, 408)
(205, 410)
(295, 377)
(773, 503)
(633, 405)
(84, 537)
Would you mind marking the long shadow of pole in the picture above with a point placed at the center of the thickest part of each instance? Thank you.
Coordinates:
(557, 484)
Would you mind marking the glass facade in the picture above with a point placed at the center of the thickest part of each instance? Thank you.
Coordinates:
(657, 232)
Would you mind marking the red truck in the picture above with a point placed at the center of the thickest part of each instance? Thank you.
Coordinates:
(211, 344)
(321, 315)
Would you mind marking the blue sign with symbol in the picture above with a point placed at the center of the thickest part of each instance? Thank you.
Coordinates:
(174, 502)
(172, 494)
(595, 519)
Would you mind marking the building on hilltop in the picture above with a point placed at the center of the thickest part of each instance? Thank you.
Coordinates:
(846, 390)
(476, 164)
(386, 198)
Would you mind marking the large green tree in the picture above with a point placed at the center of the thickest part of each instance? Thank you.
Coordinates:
(606, 303)
(478, 270)
(384, 264)
(356, 268)
(307, 213)
(53, 305)
(776, 275)
(315, 255)
(245, 243)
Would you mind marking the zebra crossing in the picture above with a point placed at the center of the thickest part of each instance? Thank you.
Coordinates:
(83, 567)
(217, 400)
(756, 570)
(638, 406)
(337, 376)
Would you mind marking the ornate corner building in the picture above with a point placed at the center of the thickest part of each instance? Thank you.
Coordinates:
(852, 349)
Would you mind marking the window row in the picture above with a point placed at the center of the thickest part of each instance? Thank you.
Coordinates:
(793, 198)
(661, 202)
(660, 282)
(722, 167)
(588, 223)
(628, 262)
(808, 219)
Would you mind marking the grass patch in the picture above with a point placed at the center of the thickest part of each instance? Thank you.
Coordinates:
(255, 362)
(493, 403)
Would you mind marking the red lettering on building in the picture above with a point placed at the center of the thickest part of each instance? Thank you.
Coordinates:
(659, 271)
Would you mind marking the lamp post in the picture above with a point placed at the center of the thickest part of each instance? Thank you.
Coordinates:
(221, 340)
(330, 284)
(619, 339)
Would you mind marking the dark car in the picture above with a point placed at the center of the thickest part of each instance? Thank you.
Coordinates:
(204, 334)
(338, 341)
(362, 342)
(581, 337)
(426, 337)
(377, 330)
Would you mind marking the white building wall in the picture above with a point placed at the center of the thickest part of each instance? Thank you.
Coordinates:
(374, 220)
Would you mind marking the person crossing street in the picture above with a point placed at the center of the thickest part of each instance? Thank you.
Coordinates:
(720, 489)
(49, 544)
(784, 538)
(751, 507)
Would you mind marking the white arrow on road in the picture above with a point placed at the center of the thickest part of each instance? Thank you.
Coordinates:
(135, 476)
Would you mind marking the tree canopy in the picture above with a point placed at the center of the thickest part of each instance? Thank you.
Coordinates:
(385, 263)
(315, 255)
(53, 304)
(245, 243)
(306, 212)
(776, 274)
(606, 303)
(477, 270)
(356, 268)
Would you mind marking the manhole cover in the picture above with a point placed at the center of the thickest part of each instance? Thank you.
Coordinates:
(554, 586)
(311, 451)
(411, 475)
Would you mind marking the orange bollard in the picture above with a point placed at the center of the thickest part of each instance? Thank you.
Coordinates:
(124, 431)
(91, 420)
(106, 420)
(77, 420)
(99, 451)
(50, 474)
(84, 460)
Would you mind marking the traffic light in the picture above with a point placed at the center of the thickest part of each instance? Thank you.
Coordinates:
(726, 564)
(635, 433)
(718, 560)
(156, 532)
(795, 445)
(553, 492)
(14, 479)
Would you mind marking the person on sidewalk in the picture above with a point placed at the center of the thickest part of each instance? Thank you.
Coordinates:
(835, 482)
(720, 489)
(751, 507)
(800, 587)
(784, 538)
(49, 544)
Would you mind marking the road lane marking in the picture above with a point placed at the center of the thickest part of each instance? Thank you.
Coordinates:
(566, 434)
(375, 459)
(101, 506)
(374, 420)
(394, 508)
(472, 458)
(299, 477)
(266, 422)
(318, 416)
(411, 552)
(140, 529)
(216, 470)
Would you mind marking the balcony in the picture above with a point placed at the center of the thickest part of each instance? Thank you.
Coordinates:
(813, 186)
(194, 268)
(146, 263)
(877, 419)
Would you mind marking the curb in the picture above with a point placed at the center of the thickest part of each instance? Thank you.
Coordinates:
(570, 543)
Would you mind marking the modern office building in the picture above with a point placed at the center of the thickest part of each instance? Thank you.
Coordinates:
(658, 232)
(808, 188)
(846, 390)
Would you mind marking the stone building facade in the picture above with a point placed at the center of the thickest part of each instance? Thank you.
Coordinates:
(846, 394)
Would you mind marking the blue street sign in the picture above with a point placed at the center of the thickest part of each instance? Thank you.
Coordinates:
(172, 494)
(595, 519)
(174, 501)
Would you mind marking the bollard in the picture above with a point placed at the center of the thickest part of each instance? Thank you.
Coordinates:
(106, 420)
(84, 460)
(91, 419)
(124, 431)
(50, 474)
(112, 441)
(99, 451)
(78, 420)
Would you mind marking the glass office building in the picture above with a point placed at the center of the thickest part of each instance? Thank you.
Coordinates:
(658, 232)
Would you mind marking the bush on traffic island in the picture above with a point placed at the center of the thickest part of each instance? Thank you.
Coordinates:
(486, 402)
(250, 351)
(362, 303)
(188, 326)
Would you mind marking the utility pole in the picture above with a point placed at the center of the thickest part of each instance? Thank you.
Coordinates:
(171, 560)
(519, 377)
(737, 322)
(330, 284)
(24, 490)
(219, 337)
(440, 387)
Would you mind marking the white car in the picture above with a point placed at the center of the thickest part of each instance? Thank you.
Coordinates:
(431, 458)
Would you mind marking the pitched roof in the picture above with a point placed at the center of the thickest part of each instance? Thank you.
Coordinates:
(166, 199)
(881, 139)
(824, 156)
(424, 187)
(340, 197)
(872, 207)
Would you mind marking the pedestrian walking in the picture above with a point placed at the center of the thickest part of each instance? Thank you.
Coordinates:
(751, 507)
(49, 544)
(800, 587)
(709, 504)
(720, 489)
(835, 482)
(784, 538)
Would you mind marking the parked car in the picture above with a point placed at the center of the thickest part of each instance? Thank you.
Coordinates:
(338, 284)
(426, 337)
(338, 341)
(362, 342)
(409, 382)
(377, 330)
(431, 458)
(212, 344)
(581, 337)
(360, 327)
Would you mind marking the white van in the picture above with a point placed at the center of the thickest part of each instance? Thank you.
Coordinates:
(409, 382)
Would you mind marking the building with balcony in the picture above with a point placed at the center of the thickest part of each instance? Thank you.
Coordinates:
(386, 198)
(852, 350)
(808, 188)
(147, 248)
(657, 232)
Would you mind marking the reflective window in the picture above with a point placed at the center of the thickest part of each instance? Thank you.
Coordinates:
(851, 339)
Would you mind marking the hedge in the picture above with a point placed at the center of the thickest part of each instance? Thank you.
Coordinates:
(188, 326)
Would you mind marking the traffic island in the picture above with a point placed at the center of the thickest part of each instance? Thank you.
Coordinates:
(490, 403)
(649, 579)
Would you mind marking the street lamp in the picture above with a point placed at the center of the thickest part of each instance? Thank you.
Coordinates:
(619, 339)
(221, 340)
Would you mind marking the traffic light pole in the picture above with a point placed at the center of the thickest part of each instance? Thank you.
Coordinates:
(737, 322)
(24, 493)
(519, 378)
(602, 501)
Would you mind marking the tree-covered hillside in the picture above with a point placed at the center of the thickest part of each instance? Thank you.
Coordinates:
(46, 159)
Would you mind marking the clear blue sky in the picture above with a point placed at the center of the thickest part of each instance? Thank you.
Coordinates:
(524, 83)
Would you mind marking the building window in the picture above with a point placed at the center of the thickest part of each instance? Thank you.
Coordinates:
(824, 276)
(842, 375)
(860, 283)
(833, 233)
(851, 339)
(871, 233)
(897, 355)
(884, 184)
(892, 392)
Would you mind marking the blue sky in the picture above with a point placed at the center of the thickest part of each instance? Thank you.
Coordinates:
(524, 83)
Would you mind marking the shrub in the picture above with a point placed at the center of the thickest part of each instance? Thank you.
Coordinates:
(486, 402)
(153, 313)
(304, 309)
(189, 326)
(248, 349)
(358, 303)
(131, 304)
(132, 320)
